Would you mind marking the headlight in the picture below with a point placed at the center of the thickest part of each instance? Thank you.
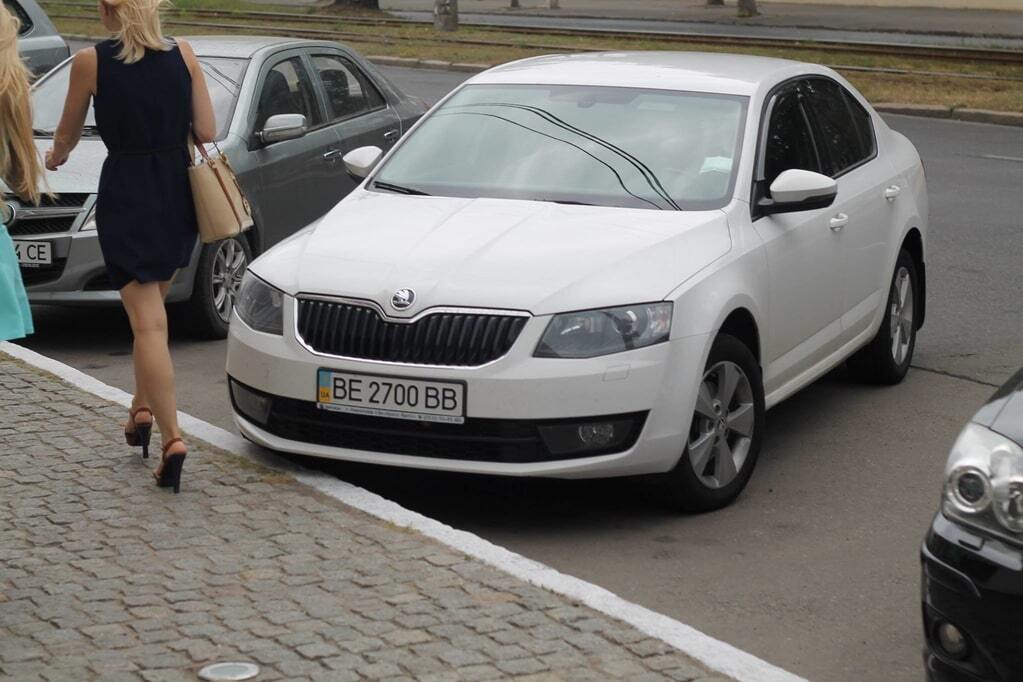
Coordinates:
(984, 485)
(260, 305)
(591, 333)
(90, 221)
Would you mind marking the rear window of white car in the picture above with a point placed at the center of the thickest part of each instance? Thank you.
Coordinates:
(606, 146)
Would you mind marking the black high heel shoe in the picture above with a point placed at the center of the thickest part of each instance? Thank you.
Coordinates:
(143, 430)
(170, 467)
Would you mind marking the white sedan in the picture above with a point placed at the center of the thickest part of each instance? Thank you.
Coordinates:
(592, 265)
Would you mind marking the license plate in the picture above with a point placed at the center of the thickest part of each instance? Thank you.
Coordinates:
(395, 397)
(34, 254)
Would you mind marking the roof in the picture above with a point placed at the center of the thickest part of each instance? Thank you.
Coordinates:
(693, 71)
(235, 46)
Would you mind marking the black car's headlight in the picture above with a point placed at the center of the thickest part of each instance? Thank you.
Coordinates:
(590, 333)
(984, 485)
(260, 305)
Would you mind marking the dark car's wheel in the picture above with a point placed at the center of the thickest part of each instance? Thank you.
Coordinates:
(886, 359)
(217, 277)
(725, 433)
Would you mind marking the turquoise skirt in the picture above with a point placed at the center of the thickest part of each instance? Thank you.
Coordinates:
(15, 316)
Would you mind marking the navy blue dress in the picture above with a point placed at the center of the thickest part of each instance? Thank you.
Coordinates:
(144, 212)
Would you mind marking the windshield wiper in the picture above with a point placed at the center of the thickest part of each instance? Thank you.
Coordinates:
(400, 189)
(567, 202)
(41, 132)
(90, 131)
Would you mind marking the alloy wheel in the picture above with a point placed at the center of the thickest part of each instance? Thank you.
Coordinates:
(229, 265)
(901, 316)
(722, 429)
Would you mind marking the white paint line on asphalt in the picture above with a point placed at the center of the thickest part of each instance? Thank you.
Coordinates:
(996, 157)
(713, 653)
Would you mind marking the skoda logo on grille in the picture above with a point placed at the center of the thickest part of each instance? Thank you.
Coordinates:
(402, 299)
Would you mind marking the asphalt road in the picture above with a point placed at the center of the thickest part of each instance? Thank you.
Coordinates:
(815, 567)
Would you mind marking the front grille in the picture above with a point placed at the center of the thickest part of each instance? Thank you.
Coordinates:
(479, 440)
(44, 274)
(442, 338)
(69, 200)
(25, 227)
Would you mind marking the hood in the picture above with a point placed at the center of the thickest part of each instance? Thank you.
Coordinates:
(494, 253)
(81, 172)
(1003, 411)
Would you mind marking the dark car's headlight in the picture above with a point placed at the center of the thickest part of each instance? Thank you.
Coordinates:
(590, 333)
(984, 485)
(260, 305)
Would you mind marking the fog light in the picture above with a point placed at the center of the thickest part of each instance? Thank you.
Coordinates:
(252, 405)
(952, 640)
(598, 435)
(584, 437)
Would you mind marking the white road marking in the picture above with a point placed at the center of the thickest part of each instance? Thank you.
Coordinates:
(996, 157)
(718, 655)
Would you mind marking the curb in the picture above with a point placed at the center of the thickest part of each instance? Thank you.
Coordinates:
(1005, 118)
(715, 654)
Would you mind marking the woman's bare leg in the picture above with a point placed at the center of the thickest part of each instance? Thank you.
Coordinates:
(154, 373)
(140, 399)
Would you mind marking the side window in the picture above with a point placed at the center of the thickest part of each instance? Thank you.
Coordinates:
(349, 91)
(25, 23)
(789, 143)
(846, 142)
(288, 90)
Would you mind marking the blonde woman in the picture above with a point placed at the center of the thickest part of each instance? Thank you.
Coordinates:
(149, 95)
(20, 168)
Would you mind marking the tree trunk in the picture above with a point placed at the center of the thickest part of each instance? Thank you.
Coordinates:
(514, 4)
(371, 4)
(748, 8)
(445, 15)
(715, 3)
(553, 4)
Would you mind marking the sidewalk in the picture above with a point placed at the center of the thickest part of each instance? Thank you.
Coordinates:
(917, 20)
(105, 576)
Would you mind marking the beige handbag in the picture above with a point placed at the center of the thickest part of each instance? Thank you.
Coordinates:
(221, 208)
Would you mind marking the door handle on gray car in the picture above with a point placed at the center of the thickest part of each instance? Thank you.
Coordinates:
(332, 156)
(892, 192)
(391, 136)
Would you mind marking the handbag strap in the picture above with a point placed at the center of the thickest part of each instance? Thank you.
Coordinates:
(216, 174)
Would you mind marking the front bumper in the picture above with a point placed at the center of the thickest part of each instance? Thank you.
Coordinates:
(976, 584)
(654, 385)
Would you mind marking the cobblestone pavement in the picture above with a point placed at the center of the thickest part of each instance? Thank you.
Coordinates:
(105, 576)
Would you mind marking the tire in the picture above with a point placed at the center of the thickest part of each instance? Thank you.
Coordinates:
(886, 359)
(722, 425)
(217, 277)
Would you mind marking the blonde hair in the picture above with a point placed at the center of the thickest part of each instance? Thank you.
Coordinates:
(20, 165)
(139, 27)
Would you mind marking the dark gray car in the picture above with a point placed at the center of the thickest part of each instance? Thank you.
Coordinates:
(287, 111)
(39, 44)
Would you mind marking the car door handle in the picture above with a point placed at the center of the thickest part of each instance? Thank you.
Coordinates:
(332, 155)
(838, 222)
(391, 135)
(892, 192)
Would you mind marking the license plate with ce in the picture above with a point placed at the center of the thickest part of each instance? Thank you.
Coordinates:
(372, 395)
(34, 254)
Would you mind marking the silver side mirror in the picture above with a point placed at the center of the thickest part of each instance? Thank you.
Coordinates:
(282, 127)
(359, 162)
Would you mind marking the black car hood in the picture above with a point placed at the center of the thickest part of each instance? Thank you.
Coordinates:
(1003, 412)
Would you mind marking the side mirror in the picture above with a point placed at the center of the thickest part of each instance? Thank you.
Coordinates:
(282, 127)
(359, 162)
(799, 190)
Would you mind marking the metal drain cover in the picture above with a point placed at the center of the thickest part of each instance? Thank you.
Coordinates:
(225, 672)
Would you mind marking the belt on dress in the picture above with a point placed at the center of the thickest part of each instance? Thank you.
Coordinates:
(145, 152)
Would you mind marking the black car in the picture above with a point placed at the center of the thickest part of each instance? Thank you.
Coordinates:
(972, 586)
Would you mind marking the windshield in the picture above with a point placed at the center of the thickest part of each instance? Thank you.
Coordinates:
(223, 79)
(604, 146)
